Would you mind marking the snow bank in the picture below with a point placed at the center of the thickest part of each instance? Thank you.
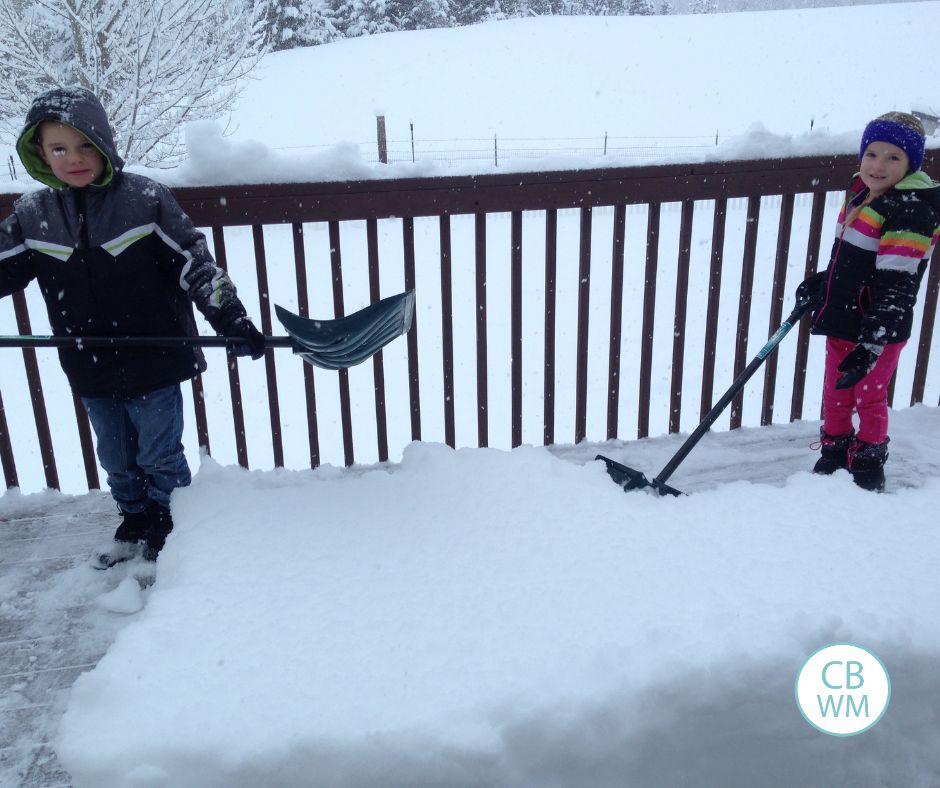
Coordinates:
(481, 617)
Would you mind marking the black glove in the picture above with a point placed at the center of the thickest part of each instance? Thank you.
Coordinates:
(250, 342)
(857, 364)
(811, 290)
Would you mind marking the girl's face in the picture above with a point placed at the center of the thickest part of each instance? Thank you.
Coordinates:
(73, 159)
(883, 165)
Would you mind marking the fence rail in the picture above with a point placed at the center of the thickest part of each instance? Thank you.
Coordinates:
(359, 206)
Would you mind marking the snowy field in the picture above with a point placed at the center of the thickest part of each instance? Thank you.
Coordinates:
(484, 617)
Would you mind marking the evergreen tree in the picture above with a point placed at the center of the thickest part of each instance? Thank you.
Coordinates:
(603, 7)
(666, 8)
(540, 8)
(703, 6)
(469, 12)
(641, 8)
(419, 14)
(277, 23)
(568, 7)
(355, 18)
(318, 25)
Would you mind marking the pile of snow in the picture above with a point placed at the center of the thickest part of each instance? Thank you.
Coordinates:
(482, 617)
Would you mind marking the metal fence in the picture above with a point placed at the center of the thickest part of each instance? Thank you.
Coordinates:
(359, 206)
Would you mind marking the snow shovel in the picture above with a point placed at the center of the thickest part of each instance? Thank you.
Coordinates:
(330, 344)
(631, 479)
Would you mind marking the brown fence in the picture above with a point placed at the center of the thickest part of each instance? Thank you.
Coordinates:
(360, 207)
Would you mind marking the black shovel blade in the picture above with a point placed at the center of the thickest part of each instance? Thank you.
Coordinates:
(347, 341)
(632, 479)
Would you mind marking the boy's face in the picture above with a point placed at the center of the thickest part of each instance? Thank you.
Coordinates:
(73, 159)
(883, 165)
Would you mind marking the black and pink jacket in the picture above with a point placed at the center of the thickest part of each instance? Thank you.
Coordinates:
(878, 260)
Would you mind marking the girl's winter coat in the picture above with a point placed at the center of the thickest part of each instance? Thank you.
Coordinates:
(877, 263)
(119, 258)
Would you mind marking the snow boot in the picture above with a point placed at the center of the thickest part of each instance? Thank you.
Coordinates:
(835, 452)
(125, 544)
(161, 523)
(866, 464)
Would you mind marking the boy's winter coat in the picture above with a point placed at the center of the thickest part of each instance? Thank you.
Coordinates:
(117, 258)
(877, 263)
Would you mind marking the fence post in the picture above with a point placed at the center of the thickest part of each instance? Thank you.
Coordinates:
(382, 141)
(495, 153)
(412, 127)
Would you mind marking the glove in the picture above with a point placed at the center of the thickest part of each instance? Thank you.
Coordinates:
(250, 340)
(857, 364)
(811, 290)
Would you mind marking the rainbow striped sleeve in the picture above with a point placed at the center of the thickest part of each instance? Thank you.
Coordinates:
(902, 250)
(865, 230)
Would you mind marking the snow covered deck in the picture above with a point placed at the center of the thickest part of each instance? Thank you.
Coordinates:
(477, 618)
(51, 629)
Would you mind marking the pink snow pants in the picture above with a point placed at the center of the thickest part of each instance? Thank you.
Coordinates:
(869, 397)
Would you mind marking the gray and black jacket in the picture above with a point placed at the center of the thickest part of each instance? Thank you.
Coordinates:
(117, 258)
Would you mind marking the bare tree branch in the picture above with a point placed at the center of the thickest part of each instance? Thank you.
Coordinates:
(155, 64)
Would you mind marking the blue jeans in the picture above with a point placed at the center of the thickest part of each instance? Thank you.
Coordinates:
(140, 446)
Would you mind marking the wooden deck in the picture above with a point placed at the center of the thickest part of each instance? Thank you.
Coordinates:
(51, 629)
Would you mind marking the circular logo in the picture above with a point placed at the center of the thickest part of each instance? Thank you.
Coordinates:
(843, 689)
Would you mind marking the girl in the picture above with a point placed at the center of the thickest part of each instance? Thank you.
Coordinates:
(864, 300)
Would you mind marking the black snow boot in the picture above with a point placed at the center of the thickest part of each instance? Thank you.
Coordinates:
(867, 464)
(133, 527)
(835, 452)
(124, 546)
(161, 523)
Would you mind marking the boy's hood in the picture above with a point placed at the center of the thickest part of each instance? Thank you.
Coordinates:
(78, 108)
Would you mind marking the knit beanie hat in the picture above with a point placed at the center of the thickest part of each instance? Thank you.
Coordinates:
(900, 129)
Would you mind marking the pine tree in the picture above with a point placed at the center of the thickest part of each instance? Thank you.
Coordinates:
(470, 12)
(278, 22)
(318, 25)
(641, 8)
(703, 6)
(419, 14)
(355, 18)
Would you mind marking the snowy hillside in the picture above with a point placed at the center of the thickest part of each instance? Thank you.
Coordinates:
(768, 84)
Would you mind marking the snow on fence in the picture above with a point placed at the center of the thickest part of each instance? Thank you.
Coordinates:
(498, 150)
(552, 307)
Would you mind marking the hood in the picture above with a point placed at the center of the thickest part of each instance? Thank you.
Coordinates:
(75, 107)
(924, 187)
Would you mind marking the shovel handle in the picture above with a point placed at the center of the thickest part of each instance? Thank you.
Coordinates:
(133, 342)
(799, 310)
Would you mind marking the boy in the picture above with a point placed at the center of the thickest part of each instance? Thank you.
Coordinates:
(114, 255)
(864, 300)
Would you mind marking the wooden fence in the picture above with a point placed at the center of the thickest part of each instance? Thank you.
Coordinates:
(517, 194)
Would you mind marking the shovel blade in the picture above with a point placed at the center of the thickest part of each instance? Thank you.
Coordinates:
(632, 479)
(347, 341)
